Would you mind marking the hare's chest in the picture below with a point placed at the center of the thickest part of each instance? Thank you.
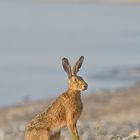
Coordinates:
(76, 107)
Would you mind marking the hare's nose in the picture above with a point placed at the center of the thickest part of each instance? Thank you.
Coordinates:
(86, 86)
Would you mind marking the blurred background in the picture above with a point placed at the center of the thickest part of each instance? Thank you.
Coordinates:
(36, 34)
(34, 37)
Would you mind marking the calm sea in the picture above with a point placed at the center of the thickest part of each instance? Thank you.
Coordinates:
(35, 36)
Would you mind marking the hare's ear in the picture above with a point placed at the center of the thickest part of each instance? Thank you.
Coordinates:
(66, 66)
(78, 65)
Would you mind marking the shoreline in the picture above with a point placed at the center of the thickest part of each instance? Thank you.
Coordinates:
(38, 104)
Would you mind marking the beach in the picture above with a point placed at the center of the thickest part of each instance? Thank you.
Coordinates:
(105, 114)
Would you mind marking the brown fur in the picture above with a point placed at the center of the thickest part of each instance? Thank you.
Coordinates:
(64, 111)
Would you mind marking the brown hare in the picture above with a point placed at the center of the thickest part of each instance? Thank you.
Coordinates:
(64, 111)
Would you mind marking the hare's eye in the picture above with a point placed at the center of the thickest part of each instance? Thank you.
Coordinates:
(74, 79)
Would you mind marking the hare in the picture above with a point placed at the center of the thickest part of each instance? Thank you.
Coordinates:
(64, 111)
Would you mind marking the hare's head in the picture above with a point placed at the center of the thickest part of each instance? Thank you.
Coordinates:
(75, 82)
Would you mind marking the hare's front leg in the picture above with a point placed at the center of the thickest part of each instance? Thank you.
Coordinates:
(71, 124)
(73, 131)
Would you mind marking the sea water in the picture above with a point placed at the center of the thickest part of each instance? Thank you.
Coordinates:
(34, 37)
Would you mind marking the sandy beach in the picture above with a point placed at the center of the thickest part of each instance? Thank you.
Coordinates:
(105, 114)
